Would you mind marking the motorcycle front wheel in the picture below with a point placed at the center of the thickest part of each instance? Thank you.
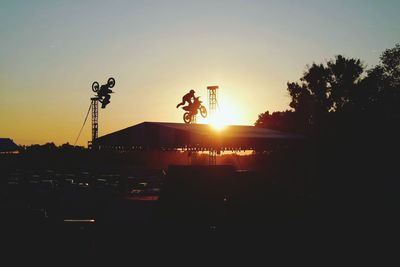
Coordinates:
(95, 87)
(111, 82)
(187, 118)
(203, 111)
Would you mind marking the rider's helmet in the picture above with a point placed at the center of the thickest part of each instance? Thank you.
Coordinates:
(192, 91)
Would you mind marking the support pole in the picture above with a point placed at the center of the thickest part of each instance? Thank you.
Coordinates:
(212, 100)
(212, 106)
(193, 119)
(212, 156)
(95, 118)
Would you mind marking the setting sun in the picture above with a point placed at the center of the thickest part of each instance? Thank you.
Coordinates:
(218, 122)
(227, 113)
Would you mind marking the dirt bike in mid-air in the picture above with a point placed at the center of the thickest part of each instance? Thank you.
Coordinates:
(103, 92)
(193, 109)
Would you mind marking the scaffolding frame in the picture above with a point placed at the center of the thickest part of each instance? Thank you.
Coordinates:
(95, 118)
(212, 107)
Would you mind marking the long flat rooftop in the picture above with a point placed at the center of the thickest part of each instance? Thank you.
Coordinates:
(203, 136)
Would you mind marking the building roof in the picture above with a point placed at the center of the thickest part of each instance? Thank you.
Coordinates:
(7, 145)
(201, 136)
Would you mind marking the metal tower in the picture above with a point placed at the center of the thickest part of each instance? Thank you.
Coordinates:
(212, 100)
(212, 106)
(95, 117)
(101, 92)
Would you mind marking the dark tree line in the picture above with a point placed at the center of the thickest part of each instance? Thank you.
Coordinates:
(342, 95)
(50, 147)
(351, 118)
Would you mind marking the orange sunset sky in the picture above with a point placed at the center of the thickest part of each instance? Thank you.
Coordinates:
(52, 51)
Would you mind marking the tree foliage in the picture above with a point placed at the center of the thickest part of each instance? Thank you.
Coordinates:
(341, 93)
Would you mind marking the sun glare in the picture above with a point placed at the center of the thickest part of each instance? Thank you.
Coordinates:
(222, 118)
(218, 123)
(227, 113)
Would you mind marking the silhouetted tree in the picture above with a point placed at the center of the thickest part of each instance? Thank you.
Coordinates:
(390, 63)
(326, 89)
(351, 117)
(48, 147)
(341, 94)
(323, 90)
(67, 147)
(281, 120)
(383, 87)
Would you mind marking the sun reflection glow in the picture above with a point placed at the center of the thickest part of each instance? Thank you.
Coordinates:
(228, 113)
(218, 123)
(225, 115)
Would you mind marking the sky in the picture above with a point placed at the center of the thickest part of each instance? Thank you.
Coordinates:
(52, 51)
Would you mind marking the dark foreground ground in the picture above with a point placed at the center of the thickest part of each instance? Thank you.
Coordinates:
(57, 216)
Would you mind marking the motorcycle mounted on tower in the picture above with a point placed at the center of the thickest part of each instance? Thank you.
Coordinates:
(104, 91)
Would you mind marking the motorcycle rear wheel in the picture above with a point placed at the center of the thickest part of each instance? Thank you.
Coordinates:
(95, 87)
(187, 118)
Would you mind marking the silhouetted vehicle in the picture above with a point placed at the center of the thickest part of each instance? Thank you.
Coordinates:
(193, 109)
(103, 92)
(145, 192)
